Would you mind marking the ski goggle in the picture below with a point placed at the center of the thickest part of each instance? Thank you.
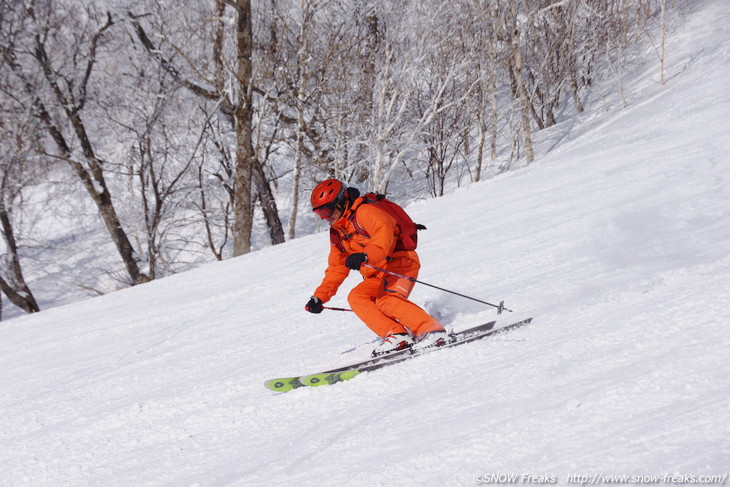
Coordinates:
(325, 211)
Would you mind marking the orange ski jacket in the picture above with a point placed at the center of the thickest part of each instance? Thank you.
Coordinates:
(383, 234)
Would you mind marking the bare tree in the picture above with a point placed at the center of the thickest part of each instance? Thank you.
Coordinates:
(59, 99)
(243, 116)
(230, 85)
(302, 75)
(18, 172)
(12, 279)
(519, 81)
(446, 140)
(396, 128)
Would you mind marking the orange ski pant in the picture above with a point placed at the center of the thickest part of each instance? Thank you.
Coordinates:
(382, 301)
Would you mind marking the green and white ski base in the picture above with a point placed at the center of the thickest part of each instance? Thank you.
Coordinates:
(286, 384)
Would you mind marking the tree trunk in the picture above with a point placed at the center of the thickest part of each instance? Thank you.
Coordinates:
(15, 288)
(522, 94)
(301, 98)
(243, 114)
(493, 56)
(268, 203)
(662, 42)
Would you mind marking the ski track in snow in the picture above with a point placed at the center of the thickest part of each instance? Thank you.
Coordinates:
(616, 242)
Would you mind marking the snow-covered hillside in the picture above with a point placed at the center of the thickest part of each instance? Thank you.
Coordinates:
(616, 242)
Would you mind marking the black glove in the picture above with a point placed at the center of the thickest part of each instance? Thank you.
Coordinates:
(314, 305)
(354, 261)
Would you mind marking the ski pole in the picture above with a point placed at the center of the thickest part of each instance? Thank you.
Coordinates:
(500, 307)
(336, 309)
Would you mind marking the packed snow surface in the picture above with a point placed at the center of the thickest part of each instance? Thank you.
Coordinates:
(616, 241)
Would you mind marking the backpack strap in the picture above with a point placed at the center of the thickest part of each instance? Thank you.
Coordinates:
(366, 198)
(360, 230)
(336, 237)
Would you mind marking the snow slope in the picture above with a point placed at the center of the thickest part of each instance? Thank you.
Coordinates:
(616, 241)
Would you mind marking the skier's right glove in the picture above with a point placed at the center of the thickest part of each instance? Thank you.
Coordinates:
(314, 305)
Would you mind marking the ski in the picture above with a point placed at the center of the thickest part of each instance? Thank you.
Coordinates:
(321, 379)
(285, 384)
(347, 372)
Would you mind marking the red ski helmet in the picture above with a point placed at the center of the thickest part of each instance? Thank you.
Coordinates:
(327, 196)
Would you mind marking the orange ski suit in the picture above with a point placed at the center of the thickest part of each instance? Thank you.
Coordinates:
(381, 300)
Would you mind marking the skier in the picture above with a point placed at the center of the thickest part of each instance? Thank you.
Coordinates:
(363, 233)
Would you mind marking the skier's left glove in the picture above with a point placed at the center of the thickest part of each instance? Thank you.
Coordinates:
(354, 261)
